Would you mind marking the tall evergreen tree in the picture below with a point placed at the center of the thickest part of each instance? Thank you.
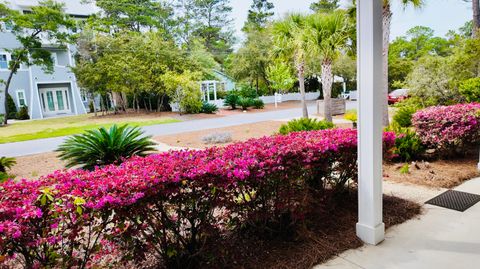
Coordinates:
(324, 5)
(258, 15)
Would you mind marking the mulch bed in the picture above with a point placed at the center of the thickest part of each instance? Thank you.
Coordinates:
(437, 174)
(327, 233)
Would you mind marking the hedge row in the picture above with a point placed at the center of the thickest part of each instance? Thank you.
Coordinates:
(449, 129)
(169, 205)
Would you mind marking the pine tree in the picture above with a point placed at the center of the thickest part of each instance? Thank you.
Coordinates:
(325, 5)
(258, 15)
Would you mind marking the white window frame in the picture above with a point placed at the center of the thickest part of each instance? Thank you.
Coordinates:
(55, 59)
(8, 57)
(18, 98)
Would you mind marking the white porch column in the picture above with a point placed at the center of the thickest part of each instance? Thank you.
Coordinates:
(370, 227)
(208, 91)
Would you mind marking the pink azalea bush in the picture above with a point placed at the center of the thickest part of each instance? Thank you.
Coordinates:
(448, 129)
(169, 205)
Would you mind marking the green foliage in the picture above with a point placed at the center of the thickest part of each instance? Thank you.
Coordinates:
(22, 114)
(209, 108)
(258, 15)
(91, 107)
(408, 145)
(247, 92)
(430, 81)
(280, 76)
(2, 118)
(470, 89)
(12, 108)
(404, 113)
(232, 99)
(304, 124)
(184, 89)
(245, 102)
(325, 5)
(405, 169)
(5, 176)
(258, 103)
(351, 115)
(102, 147)
(6, 163)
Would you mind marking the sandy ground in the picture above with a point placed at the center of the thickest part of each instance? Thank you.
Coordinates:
(239, 133)
(34, 166)
(438, 174)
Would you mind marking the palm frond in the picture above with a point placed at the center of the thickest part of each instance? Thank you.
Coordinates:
(102, 147)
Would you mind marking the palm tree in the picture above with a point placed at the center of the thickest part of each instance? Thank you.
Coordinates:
(328, 34)
(386, 22)
(290, 43)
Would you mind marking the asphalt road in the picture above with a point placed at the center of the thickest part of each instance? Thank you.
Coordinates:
(50, 144)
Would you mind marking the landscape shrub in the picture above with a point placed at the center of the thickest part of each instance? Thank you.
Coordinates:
(258, 103)
(6, 163)
(170, 205)
(232, 99)
(304, 124)
(451, 130)
(217, 138)
(12, 108)
(408, 146)
(2, 118)
(209, 108)
(248, 92)
(22, 114)
(102, 147)
(245, 103)
(470, 89)
(404, 113)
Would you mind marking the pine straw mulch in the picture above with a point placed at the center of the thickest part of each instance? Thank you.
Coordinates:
(327, 233)
(437, 174)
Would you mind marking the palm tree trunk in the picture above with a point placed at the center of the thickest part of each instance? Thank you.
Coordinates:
(476, 17)
(386, 20)
(327, 81)
(301, 81)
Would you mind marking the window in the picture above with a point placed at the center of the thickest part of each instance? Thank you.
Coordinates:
(21, 98)
(3, 61)
(54, 58)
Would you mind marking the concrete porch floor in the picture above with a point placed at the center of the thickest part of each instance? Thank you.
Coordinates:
(440, 238)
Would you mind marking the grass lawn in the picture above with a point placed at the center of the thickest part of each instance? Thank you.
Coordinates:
(37, 129)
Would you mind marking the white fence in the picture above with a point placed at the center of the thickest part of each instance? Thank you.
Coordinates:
(280, 98)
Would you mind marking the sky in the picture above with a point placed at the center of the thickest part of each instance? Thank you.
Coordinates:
(440, 15)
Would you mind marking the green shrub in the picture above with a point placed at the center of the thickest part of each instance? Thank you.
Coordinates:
(22, 114)
(470, 89)
(351, 115)
(209, 108)
(91, 107)
(258, 103)
(245, 103)
(12, 108)
(191, 103)
(404, 114)
(102, 147)
(2, 117)
(248, 92)
(232, 99)
(6, 163)
(408, 146)
(304, 124)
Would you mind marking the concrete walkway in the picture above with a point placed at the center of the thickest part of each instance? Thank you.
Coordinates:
(438, 239)
(50, 144)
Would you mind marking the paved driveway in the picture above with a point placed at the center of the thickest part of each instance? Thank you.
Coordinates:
(50, 144)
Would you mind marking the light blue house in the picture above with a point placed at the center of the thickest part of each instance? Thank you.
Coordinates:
(45, 95)
(222, 82)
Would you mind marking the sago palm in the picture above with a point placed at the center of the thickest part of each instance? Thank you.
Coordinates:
(290, 43)
(102, 147)
(328, 34)
(6, 163)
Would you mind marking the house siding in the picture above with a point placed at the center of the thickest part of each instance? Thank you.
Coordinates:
(31, 79)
